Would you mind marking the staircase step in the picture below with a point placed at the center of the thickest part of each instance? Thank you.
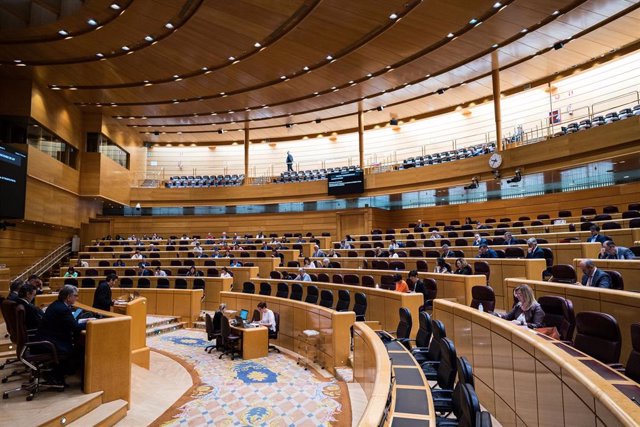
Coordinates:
(344, 373)
(165, 328)
(67, 409)
(106, 414)
(6, 345)
(155, 321)
(199, 325)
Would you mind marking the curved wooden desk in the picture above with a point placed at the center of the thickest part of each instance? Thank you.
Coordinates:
(623, 305)
(524, 378)
(382, 305)
(297, 316)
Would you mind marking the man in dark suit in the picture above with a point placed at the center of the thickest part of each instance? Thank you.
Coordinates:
(102, 296)
(289, 162)
(611, 251)
(119, 263)
(317, 252)
(33, 314)
(486, 252)
(59, 327)
(596, 236)
(509, 239)
(593, 276)
(478, 240)
(446, 252)
(534, 251)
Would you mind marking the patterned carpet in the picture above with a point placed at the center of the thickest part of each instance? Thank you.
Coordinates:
(268, 392)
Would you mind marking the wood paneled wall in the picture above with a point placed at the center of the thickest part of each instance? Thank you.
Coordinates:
(61, 117)
(23, 245)
(102, 177)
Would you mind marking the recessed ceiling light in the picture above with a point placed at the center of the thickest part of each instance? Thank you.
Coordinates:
(125, 48)
(149, 38)
(316, 93)
(257, 44)
(147, 83)
(222, 93)
(100, 55)
(393, 16)
(524, 30)
(73, 88)
(283, 77)
(175, 76)
(450, 35)
(232, 58)
(495, 45)
(556, 12)
(333, 87)
(305, 68)
(115, 6)
(369, 75)
(350, 81)
(175, 101)
(329, 57)
(92, 22)
(497, 5)
(63, 33)
(473, 21)
(55, 88)
(169, 26)
(204, 68)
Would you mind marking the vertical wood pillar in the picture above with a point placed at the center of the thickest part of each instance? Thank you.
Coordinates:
(495, 80)
(361, 137)
(246, 153)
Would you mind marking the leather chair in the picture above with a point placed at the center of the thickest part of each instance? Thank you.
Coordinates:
(360, 306)
(326, 298)
(611, 226)
(423, 337)
(248, 288)
(634, 223)
(430, 293)
(312, 294)
(163, 283)
(231, 343)
(482, 267)
(293, 264)
(323, 277)
(466, 409)
(126, 282)
(514, 252)
(213, 328)
(351, 279)
(421, 265)
(588, 211)
(296, 292)
(396, 265)
(558, 312)
(483, 295)
(543, 216)
(564, 273)
(337, 278)
(273, 335)
(632, 369)
(368, 281)
(212, 272)
(36, 364)
(633, 206)
(276, 275)
(610, 209)
(265, 288)
(602, 217)
(87, 282)
(630, 214)
(403, 329)
(283, 290)
(564, 214)
(598, 335)
(387, 282)
(143, 282)
(617, 282)
(180, 283)
(344, 300)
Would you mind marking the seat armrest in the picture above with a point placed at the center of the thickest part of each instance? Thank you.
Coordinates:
(49, 344)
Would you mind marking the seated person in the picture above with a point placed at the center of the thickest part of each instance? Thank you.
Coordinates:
(193, 272)
(225, 272)
(307, 263)
(345, 245)
(333, 254)
(71, 272)
(526, 311)
(509, 239)
(119, 263)
(267, 318)
(484, 251)
(13, 290)
(462, 267)
(446, 252)
(401, 285)
(160, 272)
(393, 254)
(142, 271)
(302, 275)
(609, 250)
(317, 252)
(36, 281)
(415, 284)
(478, 240)
(59, 327)
(102, 296)
(81, 263)
(235, 263)
(435, 235)
(593, 276)
(442, 266)
(533, 250)
(393, 245)
(33, 314)
(326, 263)
(595, 236)
(137, 255)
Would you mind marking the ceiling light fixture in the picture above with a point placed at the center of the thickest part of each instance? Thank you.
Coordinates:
(305, 68)
(63, 33)
(169, 26)
(556, 12)
(495, 45)
(149, 38)
(115, 6)
(257, 44)
(92, 22)
(450, 35)
(283, 77)
(497, 4)
(393, 16)
(329, 57)
(473, 21)
(232, 58)
(126, 48)
(524, 30)
(100, 55)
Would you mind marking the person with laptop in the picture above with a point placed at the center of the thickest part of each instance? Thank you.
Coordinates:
(267, 318)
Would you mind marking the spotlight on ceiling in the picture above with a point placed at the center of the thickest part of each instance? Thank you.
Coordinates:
(440, 91)
(220, 131)
(380, 108)
(156, 133)
(115, 6)
(318, 120)
(558, 45)
(289, 125)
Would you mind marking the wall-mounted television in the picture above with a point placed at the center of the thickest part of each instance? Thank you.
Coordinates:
(345, 182)
(13, 182)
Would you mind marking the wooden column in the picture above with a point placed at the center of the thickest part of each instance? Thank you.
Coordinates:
(246, 153)
(495, 79)
(361, 137)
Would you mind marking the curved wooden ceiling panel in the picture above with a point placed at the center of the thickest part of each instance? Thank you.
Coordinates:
(376, 59)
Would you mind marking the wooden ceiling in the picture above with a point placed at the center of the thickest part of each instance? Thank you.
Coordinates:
(187, 68)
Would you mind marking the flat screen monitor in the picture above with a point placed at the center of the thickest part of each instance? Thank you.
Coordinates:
(13, 182)
(345, 182)
(244, 314)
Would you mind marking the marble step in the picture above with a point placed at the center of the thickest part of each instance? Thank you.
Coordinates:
(344, 373)
(155, 320)
(163, 329)
(199, 325)
(107, 414)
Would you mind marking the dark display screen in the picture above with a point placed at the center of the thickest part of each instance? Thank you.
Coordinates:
(13, 182)
(345, 182)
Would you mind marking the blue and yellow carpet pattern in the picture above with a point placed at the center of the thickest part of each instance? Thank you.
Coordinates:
(271, 391)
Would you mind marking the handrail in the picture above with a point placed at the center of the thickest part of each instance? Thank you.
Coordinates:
(46, 262)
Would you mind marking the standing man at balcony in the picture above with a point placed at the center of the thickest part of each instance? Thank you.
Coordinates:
(289, 162)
